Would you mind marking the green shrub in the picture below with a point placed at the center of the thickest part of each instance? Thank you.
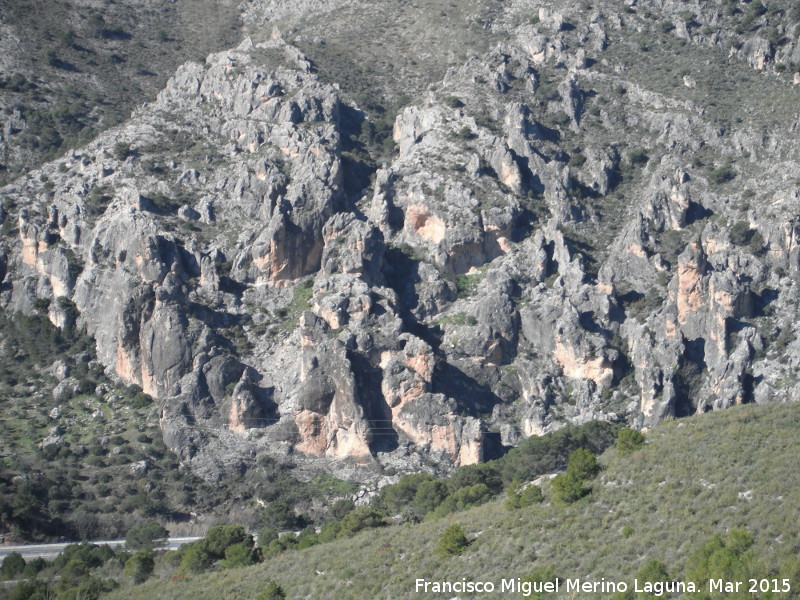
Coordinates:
(464, 498)
(453, 542)
(340, 509)
(465, 133)
(629, 440)
(279, 515)
(13, 565)
(627, 531)
(757, 243)
(466, 285)
(199, 556)
(537, 456)
(520, 496)
(577, 160)
(194, 559)
(89, 555)
(97, 25)
(68, 307)
(452, 102)
(722, 175)
(728, 558)
(393, 498)
(140, 566)
(35, 566)
(272, 591)
(146, 536)
(240, 555)
(653, 570)
(266, 535)
(531, 495)
(50, 57)
(141, 400)
(638, 157)
(308, 537)
(741, 234)
(121, 150)
(329, 532)
(363, 517)
(567, 489)
(31, 590)
(561, 118)
(430, 494)
(488, 473)
(583, 464)
(220, 537)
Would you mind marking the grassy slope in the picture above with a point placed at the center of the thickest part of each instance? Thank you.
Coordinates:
(683, 487)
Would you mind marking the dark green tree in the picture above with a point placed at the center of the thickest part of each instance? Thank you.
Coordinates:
(430, 495)
(567, 488)
(465, 498)
(272, 591)
(220, 537)
(240, 555)
(453, 541)
(140, 566)
(340, 509)
(146, 536)
(194, 558)
(730, 558)
(13, 565)
(393, 498)
(50, 57)
(583, 464)
(363, 517)
(121, 150)
(34, 567)
(34, 589)
(629, 440)
(520, 496)
(265, 536)
(279, 515)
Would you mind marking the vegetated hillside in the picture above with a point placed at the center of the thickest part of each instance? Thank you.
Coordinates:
(695, 478)
(83, 457)
(539, 215)
(72, 69)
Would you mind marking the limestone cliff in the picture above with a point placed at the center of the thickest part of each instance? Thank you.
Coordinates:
(553, 237)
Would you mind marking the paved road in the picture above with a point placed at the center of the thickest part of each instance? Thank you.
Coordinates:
(50, 551)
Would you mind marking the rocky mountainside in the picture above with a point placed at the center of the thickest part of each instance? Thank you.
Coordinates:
(364, 240)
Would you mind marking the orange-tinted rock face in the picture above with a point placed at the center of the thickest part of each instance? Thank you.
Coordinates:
(407, 373)
(421, 223)
(284, 261)
(236, 417)
(328, 414)
(325, 435)
(470, 453)
(598, 369)
(125, 365)
(690, 293)
(313, 432)
(461, 441)
(52, 263)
